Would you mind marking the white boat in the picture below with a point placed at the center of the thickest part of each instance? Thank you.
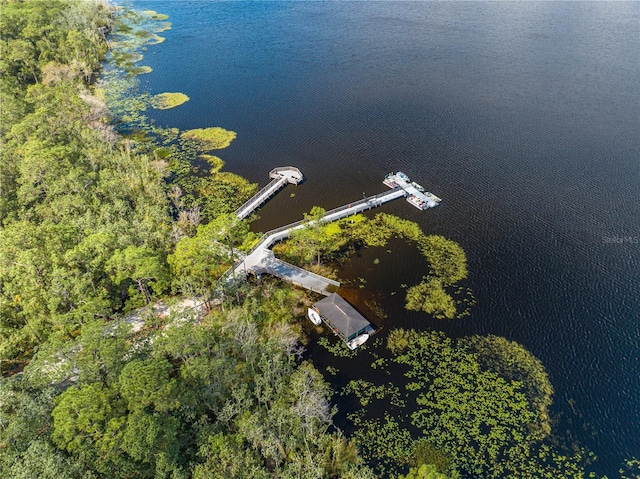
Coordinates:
(418, 203)
(358, 341)
(417, 187)
(389, 181)
(314, 317)
(403, 177)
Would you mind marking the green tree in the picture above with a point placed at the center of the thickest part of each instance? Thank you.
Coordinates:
(84, 416)
(141, 266)
(147, 384)
(24, 420)
(44, 461)
(315, 239)
(198, 262)
(225, 457)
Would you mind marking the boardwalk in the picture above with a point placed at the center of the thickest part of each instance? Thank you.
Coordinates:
(268, 263)
(258, 255)
(341, 317)
(261, 259)
(280, 177)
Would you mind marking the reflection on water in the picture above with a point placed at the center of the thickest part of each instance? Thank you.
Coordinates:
(522, 117)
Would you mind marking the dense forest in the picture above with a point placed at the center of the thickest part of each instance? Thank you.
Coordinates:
(109, 226)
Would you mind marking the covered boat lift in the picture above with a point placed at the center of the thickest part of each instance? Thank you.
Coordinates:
(342, 319)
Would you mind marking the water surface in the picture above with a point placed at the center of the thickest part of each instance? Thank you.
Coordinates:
(523, 117)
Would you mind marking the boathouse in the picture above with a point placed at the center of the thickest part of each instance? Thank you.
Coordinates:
(342, 318)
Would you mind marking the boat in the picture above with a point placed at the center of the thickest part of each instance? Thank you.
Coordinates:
(417, 187)
(314, 316)
(400, 175)
(389, 181)
(415, 193)
(418, 202)
(358, 341)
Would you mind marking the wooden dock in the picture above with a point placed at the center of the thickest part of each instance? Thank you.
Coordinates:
(353, 328)
(258, 255)
(279, 178)
(269, 264)
(260, 259)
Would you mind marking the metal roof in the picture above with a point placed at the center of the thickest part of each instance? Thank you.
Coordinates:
(342, 315)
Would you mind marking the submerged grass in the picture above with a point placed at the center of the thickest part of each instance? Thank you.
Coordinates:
(139, 70)
(155, 15)
(155, 39)
(163, 27)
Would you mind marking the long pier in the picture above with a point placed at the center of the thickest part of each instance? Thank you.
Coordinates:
(261, 257)
(280, 177)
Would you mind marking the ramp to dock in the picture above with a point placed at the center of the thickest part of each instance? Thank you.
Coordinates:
(269, 264)
(279, 178)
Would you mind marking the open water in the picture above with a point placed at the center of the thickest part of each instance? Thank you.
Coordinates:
(523, 117)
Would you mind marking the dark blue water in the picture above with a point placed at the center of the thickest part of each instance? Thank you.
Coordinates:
(523, 117)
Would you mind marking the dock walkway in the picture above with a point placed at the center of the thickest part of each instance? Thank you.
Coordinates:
(268, 263)
(257, 256)
(279, 178)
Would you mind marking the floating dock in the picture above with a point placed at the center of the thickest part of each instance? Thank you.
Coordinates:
(415, 194)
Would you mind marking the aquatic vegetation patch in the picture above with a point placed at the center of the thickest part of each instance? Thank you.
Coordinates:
(438, 294)
(476, 408)
(514, 362)
(338, 348)
(143, 34)
(155, 39)
(366, 391)
(155, 15)
(223, 192)
(429, 296)
(134, 31)
(383, 443)
(163, 27)
(214, 138)
(123, 58)
(215, 162)
(139, 70)
(165, 101)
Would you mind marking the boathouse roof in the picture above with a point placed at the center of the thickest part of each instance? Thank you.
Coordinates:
(342, 316)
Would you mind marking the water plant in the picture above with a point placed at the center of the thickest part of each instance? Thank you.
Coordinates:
(213, 138)
(339, 348)
(167, 100)
(477, 406)
(439, 294)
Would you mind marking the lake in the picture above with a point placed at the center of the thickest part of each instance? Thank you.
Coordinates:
(523, 117)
